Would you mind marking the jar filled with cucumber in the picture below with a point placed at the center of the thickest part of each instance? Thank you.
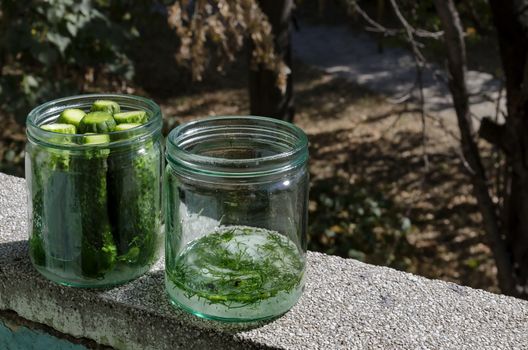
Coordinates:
(93, 172)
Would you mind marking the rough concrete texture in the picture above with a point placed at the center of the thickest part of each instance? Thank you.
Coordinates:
(346, 305)
(340, 51)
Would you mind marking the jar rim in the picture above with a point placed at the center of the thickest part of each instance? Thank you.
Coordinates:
(54, 107)
(273, 129)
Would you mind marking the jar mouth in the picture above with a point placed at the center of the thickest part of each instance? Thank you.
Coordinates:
(237, 146)
(49, 112)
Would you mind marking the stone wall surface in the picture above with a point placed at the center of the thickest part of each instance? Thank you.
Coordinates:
(346, 305)
(26, 335)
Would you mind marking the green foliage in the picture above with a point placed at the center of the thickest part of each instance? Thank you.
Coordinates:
(359, 222)
(47, 47)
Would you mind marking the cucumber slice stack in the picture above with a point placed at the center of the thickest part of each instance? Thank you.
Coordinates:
(97, 122)
(59, 128)
(131, 117)
(71, 116)
(95, 139)
(104, 116)
(105, 106)
(126, 126)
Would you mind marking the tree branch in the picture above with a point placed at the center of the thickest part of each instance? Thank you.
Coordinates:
(456, 62)
(378, 27)
(419, 60)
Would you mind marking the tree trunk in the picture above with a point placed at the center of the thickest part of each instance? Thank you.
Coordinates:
(456, 62)
(4, 22)
(266, 98)
(511, 22)
(380, 14)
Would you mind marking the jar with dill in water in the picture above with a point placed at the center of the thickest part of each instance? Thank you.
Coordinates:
(236, 197)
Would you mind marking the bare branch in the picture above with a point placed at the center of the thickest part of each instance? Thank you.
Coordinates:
(498, 103)
(456, 59)
(410, 32)
(379, 28)
(375, 26)
(419, 60)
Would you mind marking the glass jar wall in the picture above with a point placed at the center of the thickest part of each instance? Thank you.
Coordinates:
(236, 195)
(94, 208)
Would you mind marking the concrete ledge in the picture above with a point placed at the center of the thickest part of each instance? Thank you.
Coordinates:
(346, 305)
(19, 333)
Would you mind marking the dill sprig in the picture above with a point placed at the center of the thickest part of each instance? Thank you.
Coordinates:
(237, 266)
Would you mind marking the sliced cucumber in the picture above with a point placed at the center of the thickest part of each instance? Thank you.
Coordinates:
(105, 106)
(131, 117)
(97, 122)
(126, 126)
(94, 139)
(59, 128)
(71, 116)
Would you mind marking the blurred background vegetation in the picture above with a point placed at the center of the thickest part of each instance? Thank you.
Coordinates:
(56, 48)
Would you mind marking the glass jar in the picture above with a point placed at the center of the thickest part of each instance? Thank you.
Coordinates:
(94, 209)
(236, 195)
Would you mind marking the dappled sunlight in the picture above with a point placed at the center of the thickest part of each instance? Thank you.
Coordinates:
(372, 196)
(359, 142)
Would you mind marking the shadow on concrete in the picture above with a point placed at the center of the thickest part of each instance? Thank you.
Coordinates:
(148, 291)
(15, 252)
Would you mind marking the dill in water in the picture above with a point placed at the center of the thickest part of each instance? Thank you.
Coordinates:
(238, 272)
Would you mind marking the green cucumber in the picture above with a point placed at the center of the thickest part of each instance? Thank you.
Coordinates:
(98, 250)
(78, 183)
(59, 128)
(126, 131)
(71, 116)
(97, 122)
(131, 117)
(94, 139)
(126, 126)
(52, 243)
(105, 106)
(61, 140)
(133, 203)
